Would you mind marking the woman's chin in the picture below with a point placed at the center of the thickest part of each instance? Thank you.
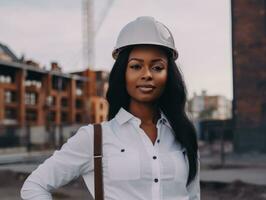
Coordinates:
(145, 99)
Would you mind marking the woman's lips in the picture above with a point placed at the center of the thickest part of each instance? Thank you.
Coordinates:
(146, 89)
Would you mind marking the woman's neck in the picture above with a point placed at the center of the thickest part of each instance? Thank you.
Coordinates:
(146, 112)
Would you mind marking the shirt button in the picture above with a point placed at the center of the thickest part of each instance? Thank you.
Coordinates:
(122, 150)
(158, 141)
(156, 180)
(154, 157)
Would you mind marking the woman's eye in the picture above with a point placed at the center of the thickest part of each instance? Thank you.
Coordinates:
(157, 68)
(135, 66)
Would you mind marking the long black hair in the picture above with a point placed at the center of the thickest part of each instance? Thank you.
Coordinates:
(172, 103)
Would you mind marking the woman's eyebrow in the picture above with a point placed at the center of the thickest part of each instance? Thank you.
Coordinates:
(141, 60)
(158, 59)
(138, 59)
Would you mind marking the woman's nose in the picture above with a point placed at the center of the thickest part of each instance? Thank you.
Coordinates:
(146, 74)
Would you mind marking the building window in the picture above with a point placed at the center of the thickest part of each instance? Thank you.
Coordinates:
(10, 96)
(78, 118)
(101, 105)
(10, 113)
(31, 115)
(64, 117)
(53, 102)
(30, 98)
(78, 103)
(59, 83)
(64, 102)
(5, 79)
(79, 87)
(35, 83)
(79, 92)
(52, 116)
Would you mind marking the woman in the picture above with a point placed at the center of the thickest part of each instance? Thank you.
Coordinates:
(149, 144)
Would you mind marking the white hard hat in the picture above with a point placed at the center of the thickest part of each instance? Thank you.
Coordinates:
(145, 30)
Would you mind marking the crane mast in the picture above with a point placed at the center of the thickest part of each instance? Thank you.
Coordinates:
(88, 33)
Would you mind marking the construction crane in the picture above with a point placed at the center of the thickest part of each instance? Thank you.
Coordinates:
(91, 26)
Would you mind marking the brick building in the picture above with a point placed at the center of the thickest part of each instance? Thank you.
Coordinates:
(43, 99)
(96, 89)
(249, 74)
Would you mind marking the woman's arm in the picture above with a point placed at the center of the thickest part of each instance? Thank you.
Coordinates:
(73, 160)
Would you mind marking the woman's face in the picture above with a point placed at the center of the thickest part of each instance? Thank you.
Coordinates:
(146, 73)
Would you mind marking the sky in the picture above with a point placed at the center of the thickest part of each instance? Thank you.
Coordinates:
(49, 30)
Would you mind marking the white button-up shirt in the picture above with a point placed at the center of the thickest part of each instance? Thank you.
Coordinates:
(133, 167)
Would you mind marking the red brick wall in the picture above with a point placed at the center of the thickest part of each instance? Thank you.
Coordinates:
(249, 66)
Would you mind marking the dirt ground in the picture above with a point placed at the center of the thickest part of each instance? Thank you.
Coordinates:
(235, 191)
(10, 184)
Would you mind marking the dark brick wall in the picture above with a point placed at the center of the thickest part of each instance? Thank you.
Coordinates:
(249, 74)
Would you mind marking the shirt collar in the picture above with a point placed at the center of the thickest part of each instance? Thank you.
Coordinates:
(124, 116)
(164, 119)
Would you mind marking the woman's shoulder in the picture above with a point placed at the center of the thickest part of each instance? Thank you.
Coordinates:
(88, 130)
(85, 133)
(84, 130)
(82, 137)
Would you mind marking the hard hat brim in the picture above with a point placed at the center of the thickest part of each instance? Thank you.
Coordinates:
(117, 50)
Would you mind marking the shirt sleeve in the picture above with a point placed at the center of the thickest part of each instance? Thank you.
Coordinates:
(74, 159)
(194, 186)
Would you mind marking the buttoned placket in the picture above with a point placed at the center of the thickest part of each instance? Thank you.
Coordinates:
(152, 150)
